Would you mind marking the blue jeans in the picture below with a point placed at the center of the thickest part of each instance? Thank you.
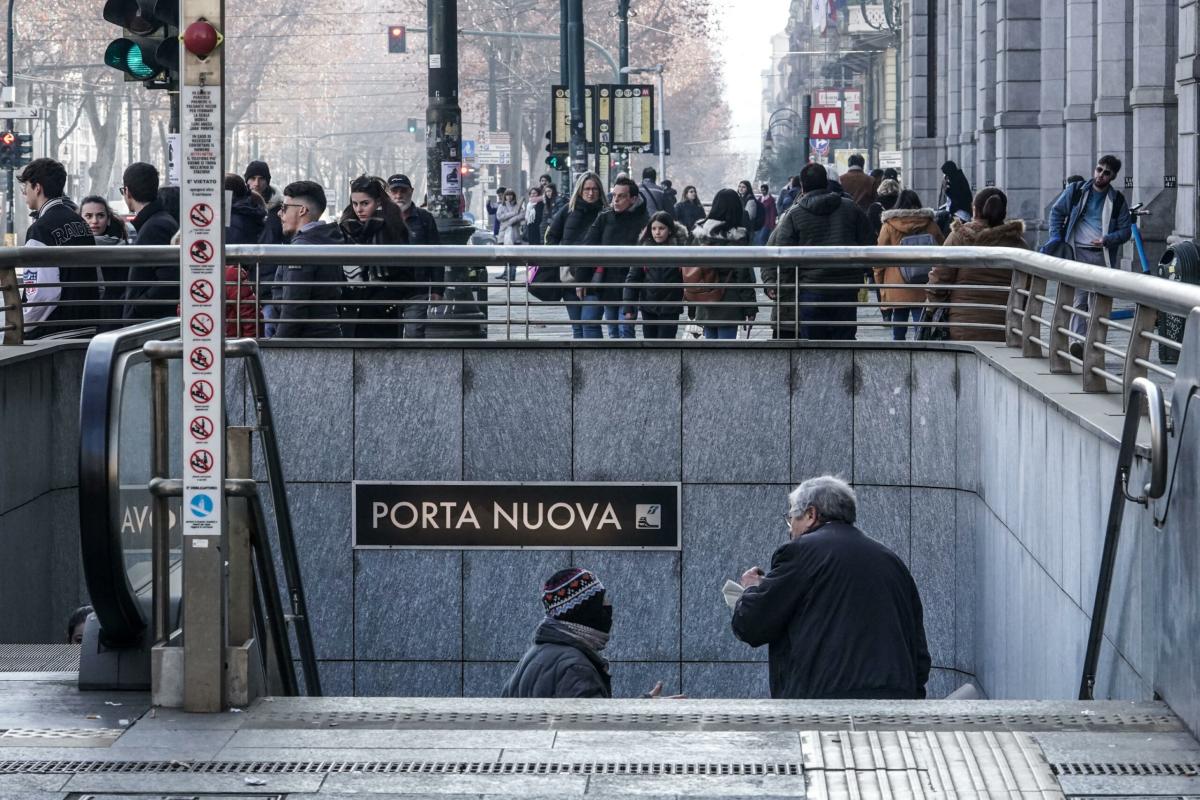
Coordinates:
(574, 313)
(811, 317)
(593, 313)
(625, 330)
(719, 331)
(899, 332)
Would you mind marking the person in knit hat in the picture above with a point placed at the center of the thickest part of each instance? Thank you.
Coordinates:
(565, 659)
(258, 180)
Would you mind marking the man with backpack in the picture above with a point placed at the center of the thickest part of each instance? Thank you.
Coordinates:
(1088, 223)
(652, 194)
(819, 218)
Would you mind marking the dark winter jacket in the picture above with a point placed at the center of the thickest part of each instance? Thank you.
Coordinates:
(422, 229)
(58, 225)
(688, 213)
(652, 196)
(738, 303)
(535, 232)
(569, 226)
(612, 230)
(273, 230)
(247, 220)
(942, 279)
(557, 666)
(155, 226)
(842, 617)
(816, 219)
(670, 198)
(860, 186)
(648, 296)
(295, 283)
(788, 196)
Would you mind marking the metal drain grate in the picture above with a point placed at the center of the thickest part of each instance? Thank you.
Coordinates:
(40, 735)
(432, 720)
(645, 768)
(39, 657)
(1131, 770)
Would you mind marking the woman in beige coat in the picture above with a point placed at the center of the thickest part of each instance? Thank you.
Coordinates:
(907, 223)
(988, 228)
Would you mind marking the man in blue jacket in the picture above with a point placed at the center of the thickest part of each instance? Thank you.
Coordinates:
(1088, 223)
(309, 297)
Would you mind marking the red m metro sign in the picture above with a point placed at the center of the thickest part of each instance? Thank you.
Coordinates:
(825, 123)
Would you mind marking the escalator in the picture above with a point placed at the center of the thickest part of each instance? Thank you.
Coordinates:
(130, 417)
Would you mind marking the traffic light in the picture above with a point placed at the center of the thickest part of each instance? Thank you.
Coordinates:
(554, 160)
(469, 174)
(413, 129)
(8, 145)
(23, 149)
(397, 39)
(148, 50)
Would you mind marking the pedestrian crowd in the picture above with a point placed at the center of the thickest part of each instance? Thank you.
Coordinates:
(1089, 222)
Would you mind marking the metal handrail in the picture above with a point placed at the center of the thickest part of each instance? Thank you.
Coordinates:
(1141, 389)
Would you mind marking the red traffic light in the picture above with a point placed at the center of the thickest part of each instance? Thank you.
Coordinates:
(8, 138)
(201, 38)
(397, 39)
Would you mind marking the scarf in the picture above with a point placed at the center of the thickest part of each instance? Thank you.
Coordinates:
(587, 639)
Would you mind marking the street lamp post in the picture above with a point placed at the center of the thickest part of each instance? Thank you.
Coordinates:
(657, 69)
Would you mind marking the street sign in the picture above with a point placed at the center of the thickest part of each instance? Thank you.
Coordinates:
(633, 115)
(890, 159)
(819, 147)
(21, 112)
(825, 123)
(201, 238)
(468, 149)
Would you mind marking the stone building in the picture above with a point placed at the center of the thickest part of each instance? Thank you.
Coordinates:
(1023, 93)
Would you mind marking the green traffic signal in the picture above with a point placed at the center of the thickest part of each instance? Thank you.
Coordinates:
(128, 56)
(556, 162)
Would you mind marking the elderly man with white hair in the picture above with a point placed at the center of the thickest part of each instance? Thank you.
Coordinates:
(839, 611)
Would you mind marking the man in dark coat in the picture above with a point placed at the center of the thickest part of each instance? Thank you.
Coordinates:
(55, 224)
(818, 218)
(565, 659)
(840, 612)
(300, 215)
(154, 226)
(258, 180)
(618, 225)
(653, 197)
(858, 184)
(422, 229)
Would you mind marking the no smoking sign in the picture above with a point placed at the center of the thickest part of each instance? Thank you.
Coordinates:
(201, 291)
(201, 324)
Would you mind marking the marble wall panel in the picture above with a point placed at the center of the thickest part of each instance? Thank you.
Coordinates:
(407, 605)
(822, 413)
(502, 599)
(882, 407)
(934, 422)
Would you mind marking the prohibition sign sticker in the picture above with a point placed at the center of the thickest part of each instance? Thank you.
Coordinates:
(201, 291)
(201, 358)
(201, 461)
(201, 428)
(201, 215)
(201, 391)
(201, 324)
(202, 251)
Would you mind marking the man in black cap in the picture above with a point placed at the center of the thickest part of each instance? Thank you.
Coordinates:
(258, 179)
(422, 229)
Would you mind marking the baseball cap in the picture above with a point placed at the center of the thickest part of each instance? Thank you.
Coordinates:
(397, 181)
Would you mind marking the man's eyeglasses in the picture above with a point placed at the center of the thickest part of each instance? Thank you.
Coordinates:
(283, 207)
(1104, 171)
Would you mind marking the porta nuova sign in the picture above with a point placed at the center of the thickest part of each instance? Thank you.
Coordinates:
(483, 515)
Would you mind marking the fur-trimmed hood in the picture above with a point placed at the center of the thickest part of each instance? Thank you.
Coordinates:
(679, 237)
(976, 233)
(904, 213)
(705, 234)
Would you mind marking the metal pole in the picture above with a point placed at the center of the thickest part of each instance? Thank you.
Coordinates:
(623, 59)
(662, 131)
(443, 122)
(160, 548)
(577, 82)
(9, 227)
(807, 117)
(564, 44)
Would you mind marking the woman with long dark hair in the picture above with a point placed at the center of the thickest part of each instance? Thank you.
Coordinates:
(689, 210)
(109, 230)
(989, 227)
(372, 217)
(725, 226)
(569, 227)
(660, 305)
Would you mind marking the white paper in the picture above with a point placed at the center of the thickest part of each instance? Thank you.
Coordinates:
(732, 592)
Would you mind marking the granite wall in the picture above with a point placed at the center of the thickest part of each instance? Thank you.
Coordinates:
(41, 583)
(738, 428)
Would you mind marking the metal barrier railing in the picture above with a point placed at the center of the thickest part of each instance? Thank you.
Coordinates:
(1109, 353)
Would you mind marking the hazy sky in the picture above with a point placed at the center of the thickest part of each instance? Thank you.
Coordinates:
(749, 26)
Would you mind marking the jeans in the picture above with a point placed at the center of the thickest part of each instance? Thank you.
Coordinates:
(626, 330)
(1083, 299)
(667, 328)
(593, 313)
(899, 332)
(811, 317)
(574, 314)
(719, 331)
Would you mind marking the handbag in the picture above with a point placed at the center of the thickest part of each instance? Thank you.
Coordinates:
(930, 333)
(544, 283)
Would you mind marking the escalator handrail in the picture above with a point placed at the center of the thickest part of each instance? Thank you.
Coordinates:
(113, 598)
